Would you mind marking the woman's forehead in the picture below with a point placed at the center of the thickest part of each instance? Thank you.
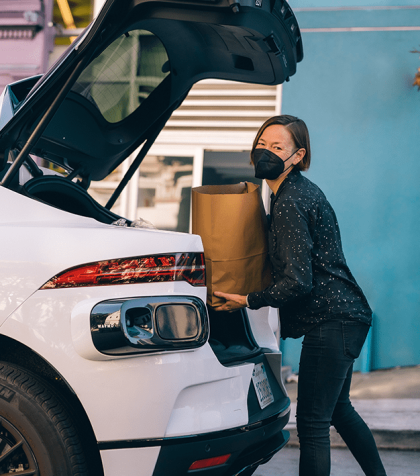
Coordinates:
(276, 133)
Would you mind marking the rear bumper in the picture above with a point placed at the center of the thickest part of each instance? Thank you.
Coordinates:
(249, 446)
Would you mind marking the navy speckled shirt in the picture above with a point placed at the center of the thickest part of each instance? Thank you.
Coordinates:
(311, 280)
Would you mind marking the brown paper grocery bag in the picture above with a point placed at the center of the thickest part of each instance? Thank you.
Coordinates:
(232, 223)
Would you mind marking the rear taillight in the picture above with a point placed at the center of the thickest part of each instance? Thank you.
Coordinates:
(188, 267)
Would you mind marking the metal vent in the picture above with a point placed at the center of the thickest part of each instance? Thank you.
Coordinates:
(225, 105)
(18, 33)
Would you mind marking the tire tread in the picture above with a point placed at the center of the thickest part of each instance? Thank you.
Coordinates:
(29, 385)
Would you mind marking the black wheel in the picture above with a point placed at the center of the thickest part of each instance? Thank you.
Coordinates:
(37, 436)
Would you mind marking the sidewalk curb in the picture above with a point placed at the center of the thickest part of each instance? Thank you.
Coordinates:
(407, 440)
(394, 423)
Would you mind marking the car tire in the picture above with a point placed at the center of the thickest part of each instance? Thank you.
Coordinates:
(36, 433)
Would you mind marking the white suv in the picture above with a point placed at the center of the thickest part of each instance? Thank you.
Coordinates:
(110, 362)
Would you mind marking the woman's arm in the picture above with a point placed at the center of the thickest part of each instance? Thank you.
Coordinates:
(292, 256)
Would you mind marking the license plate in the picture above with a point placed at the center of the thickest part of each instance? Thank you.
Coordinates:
(262, 386)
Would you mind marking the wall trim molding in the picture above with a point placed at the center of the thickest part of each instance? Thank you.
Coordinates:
(366, 8)
(357, 29)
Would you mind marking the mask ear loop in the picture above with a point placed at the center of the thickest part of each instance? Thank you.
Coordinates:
(288, 159)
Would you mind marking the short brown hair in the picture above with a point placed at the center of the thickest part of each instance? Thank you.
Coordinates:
(299, 133)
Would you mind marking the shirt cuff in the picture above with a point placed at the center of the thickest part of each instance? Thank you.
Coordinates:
(255, 301)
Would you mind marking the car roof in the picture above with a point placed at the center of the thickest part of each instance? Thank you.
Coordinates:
(135, 64)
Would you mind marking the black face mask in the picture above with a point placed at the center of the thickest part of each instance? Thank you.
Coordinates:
(269, 165)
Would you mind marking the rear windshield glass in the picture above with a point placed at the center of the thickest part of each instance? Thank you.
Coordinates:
(124, 74)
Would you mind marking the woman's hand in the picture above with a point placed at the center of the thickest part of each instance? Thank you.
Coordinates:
(233, 301)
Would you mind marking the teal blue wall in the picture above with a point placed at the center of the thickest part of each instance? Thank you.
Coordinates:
(295, 4)
(354, 90)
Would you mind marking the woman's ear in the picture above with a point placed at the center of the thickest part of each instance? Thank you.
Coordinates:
(299, 155)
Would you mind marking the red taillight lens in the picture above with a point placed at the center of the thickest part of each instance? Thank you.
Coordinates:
(188, 267)
(209, 462)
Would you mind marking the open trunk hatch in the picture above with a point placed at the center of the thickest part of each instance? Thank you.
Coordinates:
(118, 84)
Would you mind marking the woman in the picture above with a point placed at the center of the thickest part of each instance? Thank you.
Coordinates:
(317, 297)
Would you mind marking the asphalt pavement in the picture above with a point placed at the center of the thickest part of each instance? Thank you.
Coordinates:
(396, 463)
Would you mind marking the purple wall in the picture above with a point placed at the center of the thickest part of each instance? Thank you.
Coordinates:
(26, 38)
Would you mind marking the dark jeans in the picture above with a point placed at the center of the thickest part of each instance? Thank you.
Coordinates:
(325, 371)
